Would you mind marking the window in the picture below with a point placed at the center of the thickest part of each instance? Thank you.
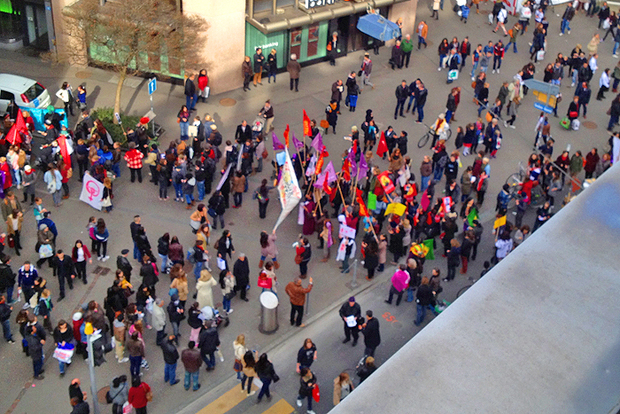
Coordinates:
(296, 41)
(34, 92)
(6, 96)
(313, 40)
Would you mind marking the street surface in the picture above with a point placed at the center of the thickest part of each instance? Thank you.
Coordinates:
(20, 395)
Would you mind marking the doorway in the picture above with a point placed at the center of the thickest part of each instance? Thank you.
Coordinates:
(36, 26)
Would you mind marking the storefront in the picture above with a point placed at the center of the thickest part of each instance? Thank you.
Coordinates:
(282, 28)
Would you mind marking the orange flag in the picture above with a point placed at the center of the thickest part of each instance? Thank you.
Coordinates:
(286, 134)
(360, 201)
(306, 123)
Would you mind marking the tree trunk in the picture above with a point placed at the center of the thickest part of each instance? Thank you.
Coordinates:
(122, 75)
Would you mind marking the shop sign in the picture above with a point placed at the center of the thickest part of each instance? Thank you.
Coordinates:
(310, 4)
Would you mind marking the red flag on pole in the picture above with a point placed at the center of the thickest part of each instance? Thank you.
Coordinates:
(286, 134)
(328, 190)
(360, 201)
(346, 170)
(19, 127)
(306, 123)
(382, 147)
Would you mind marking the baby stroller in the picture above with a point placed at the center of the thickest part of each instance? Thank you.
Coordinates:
(257, 127)
(212, 314)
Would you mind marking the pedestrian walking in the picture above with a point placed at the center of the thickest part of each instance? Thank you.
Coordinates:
(227, 284)
(343, 386)
(63, 338)
(366, 71)
(239, 350)
(425, 299)
(402, 93)
(249, 372)
(307, 384)
(191, 95)
(400, 281)
(204, 289)
(306, 355)
(35, 350)
(5, 318)
(297, 294)
(267, 374)
(241, 272)
(303, 254)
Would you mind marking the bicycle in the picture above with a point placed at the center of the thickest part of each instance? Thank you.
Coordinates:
(430, 133)
(515, 180)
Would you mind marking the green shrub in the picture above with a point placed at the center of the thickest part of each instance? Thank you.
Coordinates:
(106, 115)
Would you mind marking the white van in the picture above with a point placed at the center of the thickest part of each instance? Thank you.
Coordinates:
(25, 92)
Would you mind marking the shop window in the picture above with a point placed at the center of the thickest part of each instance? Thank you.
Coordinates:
(295, 45)
(313, 40)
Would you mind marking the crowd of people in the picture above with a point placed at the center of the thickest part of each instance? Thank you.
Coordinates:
(376, 199)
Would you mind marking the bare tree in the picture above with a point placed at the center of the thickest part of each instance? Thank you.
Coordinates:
(133, 35)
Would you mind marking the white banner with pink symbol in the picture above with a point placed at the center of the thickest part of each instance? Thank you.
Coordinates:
(92, 191)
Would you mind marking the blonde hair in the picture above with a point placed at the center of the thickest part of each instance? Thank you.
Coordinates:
(240, 340)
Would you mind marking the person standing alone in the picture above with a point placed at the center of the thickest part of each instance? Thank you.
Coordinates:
(297, 293)
(294, 68)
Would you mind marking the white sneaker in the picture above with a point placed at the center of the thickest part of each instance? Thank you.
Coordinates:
(230, 311)
(505, 124)
(438, 69)
(493, 70)
(252, 393)
(569, 32)
(616, 56)
(512, 126)
(99, 257)
(105, 258)
(473, 78)
(123, 360)
(299, 403)
(572, 84)
(221, 359)
(497, 70)
(310, 412)
(561, 34)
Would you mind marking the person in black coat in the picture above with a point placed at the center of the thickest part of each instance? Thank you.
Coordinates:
(225, 247)
(351, 308)
(123, 264)
(396, 243)
(372, 337)
(241, 271)
(149, 274)
(176, 313)
(397, 56)
(64, 266)
(208, 341)
(243, 132)
(144, 246)
(171, 356)
(425, 298)
(402, 93)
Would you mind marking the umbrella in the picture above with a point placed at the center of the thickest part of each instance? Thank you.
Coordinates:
(377, 26)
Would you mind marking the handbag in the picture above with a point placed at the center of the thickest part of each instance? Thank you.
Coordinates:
(207, 91)
(237, 367)
(489, 117)
(264, 281)
(316, 393)
(11, 240)
(127, 408)
(265, 154)
(573, 114)
(149, 395)
(298, 259)
(45, 251)
(211, 212)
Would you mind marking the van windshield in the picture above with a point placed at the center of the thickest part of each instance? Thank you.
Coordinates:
(34, 92)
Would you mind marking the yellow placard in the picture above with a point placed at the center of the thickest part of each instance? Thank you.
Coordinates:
(395, 208)
(499, 222)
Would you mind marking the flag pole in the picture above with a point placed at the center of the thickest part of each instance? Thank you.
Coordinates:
(344, 203)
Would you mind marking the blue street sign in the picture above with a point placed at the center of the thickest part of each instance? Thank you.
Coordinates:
(152, 86)
(542, 107)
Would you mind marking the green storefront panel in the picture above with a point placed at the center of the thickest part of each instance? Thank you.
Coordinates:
(254, 38)
(313, 41)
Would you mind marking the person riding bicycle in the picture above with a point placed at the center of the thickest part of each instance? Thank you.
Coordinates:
(440, 129)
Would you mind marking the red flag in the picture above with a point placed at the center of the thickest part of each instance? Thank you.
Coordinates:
(19, 127)
(360, 201)
(328, 190)
(64, 151)
(382, 147)
(306, 123)
(346, 169)
(319, 165)
(286, 134)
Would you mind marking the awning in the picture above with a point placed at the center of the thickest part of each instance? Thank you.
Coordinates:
(377, 26)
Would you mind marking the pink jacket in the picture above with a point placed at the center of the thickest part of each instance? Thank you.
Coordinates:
(400, 280)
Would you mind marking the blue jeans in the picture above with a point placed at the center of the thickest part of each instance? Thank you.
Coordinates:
(448, 115)
(565, 25)
(473, 69)
(189, 198)
(193, 376)
(420, 112)
(441, 59)
(438, 172)
(514, 46)
(61, 367)
(190, 101)
(175, 329)
(9, 294)
(6, 329)
(425, 181)
(209, 359)
(197, 269)
(300, 398)
(422, 313)
(134, 366)
(184, 126)
(615, 47)
(574, 74)
(613, 120)
(116, 169)
(409, 294)
(265, 388)
(57, 197)
(421, 41)
(411, 98)
(164, 262)
(136, 252)
(226, 304)
(170, 373)
(200, 186)
(178, 190)
(37, 365)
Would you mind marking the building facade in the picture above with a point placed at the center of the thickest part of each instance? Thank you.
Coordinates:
(237, 27)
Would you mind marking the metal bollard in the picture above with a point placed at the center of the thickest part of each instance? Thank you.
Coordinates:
(353, 283)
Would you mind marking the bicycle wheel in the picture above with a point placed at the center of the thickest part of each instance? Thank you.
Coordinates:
(538, 197)
(448, 135)
(514, 181)
(424, 140)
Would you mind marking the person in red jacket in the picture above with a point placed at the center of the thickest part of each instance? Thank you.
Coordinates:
(138, 395)
(134, 162)
(203, 84)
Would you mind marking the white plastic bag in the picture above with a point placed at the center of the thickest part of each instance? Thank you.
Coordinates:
(575, 125)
